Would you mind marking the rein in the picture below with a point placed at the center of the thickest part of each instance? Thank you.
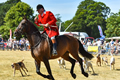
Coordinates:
(46, 37)
(40, 39)
(36, 44)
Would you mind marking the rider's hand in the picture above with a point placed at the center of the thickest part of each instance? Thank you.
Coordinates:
(36, 19)
(47, 25)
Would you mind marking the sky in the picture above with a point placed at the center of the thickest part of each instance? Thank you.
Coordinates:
(67, 8)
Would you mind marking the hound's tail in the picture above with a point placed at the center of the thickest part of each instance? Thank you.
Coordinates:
(22, 60)
(83, 52)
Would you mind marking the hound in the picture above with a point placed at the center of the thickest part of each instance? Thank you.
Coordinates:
(112, 62)
(18, 66)
(105, 60)
(98, 60)
(87, 64)
(61, 63)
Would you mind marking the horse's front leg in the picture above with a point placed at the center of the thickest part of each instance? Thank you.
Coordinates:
(81, 65)
(38, 64)
(46, 62)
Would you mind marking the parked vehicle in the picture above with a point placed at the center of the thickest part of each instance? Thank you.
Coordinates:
(78, 35)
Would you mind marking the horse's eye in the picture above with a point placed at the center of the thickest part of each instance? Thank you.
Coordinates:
(23, 23)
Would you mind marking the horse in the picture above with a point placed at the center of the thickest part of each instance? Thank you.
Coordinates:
(41, 49)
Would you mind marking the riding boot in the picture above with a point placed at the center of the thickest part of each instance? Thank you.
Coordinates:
(54, 49)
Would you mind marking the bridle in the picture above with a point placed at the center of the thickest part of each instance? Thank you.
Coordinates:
(19, 30)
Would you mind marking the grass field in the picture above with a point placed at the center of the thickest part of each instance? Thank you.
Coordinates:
(8, 57)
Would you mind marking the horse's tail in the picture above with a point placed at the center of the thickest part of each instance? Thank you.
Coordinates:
(83, 52)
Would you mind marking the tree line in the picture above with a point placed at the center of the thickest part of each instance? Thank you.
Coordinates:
(89, 14)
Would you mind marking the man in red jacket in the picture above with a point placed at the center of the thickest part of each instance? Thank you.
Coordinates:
(48, 20)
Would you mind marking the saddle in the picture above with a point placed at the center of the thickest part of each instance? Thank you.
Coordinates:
(45, 36)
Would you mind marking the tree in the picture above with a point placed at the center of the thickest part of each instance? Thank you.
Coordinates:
(58, 17)
(88, 15)
(4, 7)
(59, 21)
(14, 16)
(113, 25)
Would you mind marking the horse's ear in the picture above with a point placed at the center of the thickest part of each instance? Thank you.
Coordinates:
(25, 17)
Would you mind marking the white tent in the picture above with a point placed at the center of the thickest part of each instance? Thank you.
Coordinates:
(113, 38)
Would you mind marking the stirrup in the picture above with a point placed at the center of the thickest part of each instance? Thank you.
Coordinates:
(54, 53)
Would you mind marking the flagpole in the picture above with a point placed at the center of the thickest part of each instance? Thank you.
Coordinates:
(10, 35)
(68, 27)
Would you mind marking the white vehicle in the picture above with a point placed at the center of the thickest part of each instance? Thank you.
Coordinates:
(78, 35)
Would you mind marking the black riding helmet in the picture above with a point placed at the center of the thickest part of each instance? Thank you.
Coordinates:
(39, 6)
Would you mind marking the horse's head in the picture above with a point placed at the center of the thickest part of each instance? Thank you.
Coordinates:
(22, 27)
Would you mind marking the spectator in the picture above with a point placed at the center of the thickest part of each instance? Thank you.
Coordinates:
(82, 41)
(111, 42)
(107, 46)
(2, 44)
(94, 43)
(118, 49)
(27, 45)
(99, 46)
(14, 44)
(113, 48)
(88, 43)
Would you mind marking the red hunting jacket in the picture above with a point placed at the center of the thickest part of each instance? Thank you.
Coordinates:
(48, 17)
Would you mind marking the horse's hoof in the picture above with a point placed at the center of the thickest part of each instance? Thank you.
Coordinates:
(47, 76)
(74, 76)
(85, 74)
(51, 79)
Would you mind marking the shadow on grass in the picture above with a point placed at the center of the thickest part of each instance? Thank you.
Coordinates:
(28, 75)
(25, 75)
(94, 74)
(67, 69)
(117, 69)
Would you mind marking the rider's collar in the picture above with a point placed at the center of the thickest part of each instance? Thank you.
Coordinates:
(43, 13)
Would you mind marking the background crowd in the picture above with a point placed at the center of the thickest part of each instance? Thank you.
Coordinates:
(104, 46)
(22, 44)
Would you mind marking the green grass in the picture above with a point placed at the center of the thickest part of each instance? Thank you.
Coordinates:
(9, 57)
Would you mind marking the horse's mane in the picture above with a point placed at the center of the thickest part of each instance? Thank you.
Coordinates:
(32, 24)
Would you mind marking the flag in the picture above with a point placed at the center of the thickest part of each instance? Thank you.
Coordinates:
(100, 31)
(10, 35)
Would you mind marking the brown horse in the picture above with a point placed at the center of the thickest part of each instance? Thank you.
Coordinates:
(41, 49)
